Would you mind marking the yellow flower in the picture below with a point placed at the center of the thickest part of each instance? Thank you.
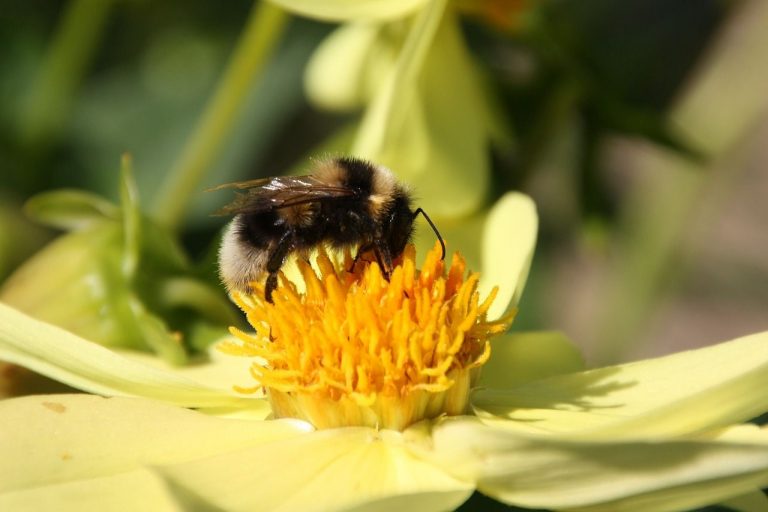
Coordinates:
(356, 349)
(661, 434)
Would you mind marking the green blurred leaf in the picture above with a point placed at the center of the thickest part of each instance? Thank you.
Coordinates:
(615, 47)
(156, 334)
(70, 209)
(119, 280)
(19, 236)
(185, 292)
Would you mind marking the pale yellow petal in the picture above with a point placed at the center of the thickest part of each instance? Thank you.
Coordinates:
(684, 497)
(221, 371)
(632, 475)
(462, 235)
(522, 357)
(348, 66)
(217, 369)
(679, 394)
(509, 239)
(129, 491)
(259, 413)
(51, 440)
(340, 10)
(63, 356)
(737, 495)
(337, 469)
(435, 138)
(393, 105)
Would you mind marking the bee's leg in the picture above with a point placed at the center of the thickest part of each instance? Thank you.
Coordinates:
(360, 251)
(384, 259)
(270, 287)
(275, 262)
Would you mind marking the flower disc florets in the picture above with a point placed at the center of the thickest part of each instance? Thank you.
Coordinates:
(357, 349)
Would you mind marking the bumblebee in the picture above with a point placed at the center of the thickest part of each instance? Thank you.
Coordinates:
(345, 202)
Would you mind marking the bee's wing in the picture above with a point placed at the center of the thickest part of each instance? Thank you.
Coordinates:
(268, 194)
(241, 185)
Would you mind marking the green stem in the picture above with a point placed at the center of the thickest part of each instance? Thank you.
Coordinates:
(74, 43)
(257, 43)
(386, 114)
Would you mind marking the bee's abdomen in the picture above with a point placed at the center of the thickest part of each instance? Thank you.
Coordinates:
(240, 261)
(261, 229)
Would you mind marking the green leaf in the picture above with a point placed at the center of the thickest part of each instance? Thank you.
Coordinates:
(70, 209)
(156, 334)
(208, 302)
(75, 282)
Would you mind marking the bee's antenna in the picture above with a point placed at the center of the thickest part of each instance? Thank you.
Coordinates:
(434, 228)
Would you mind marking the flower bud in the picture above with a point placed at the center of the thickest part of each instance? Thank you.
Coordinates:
(116, 278)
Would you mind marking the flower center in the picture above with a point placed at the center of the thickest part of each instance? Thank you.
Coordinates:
(357, 349)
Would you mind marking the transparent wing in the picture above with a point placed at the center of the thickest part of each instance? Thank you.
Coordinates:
(267, 194)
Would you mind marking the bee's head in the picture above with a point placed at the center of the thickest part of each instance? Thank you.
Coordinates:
(398, 226)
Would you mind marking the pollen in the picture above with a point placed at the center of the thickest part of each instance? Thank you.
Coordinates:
(356, 348)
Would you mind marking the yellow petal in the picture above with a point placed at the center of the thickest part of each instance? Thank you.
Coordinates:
(63, 356)
(337, 469)
(682, 393)
(58, 444)
(339, 10)
(599, 475)
(509, 239)
(522, 357)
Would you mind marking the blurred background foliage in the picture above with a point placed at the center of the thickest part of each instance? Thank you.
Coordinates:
(639, 128)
